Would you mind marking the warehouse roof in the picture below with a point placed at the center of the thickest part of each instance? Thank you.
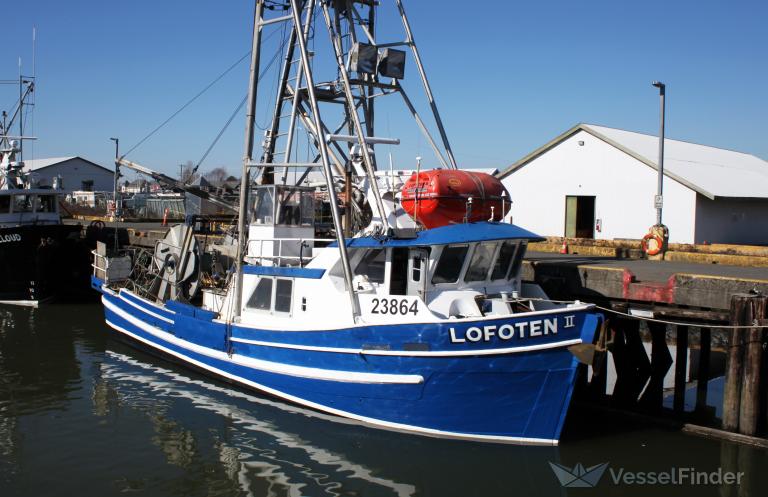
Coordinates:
(38, 164)
(713, 172)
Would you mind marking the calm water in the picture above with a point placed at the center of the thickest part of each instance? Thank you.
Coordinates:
(84, 415)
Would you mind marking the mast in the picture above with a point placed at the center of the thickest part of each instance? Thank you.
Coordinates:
(353, 115)
(427, 89)
(245, 179)
(323, 146)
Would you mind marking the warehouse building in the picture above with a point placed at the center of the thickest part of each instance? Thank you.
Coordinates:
(599, 182)
(77, 174)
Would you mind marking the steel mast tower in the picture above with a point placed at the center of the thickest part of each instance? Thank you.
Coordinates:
(337, 115)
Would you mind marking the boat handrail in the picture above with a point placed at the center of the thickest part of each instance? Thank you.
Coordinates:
(280, 257)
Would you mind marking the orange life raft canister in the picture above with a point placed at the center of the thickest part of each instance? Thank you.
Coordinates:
(441, 196)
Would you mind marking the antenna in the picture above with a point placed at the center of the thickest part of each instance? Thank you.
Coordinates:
(34, 38)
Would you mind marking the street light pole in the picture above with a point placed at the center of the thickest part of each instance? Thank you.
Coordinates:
(659, 200)
(117, 178)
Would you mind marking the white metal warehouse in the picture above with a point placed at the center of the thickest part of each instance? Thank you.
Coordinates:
(78, 174)
(599, 182)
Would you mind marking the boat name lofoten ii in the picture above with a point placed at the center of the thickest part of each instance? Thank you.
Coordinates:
(508, 331)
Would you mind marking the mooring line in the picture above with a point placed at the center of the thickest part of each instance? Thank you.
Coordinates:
(756, 324)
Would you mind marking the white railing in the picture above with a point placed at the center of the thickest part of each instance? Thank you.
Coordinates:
(295, 245)
(96, 267)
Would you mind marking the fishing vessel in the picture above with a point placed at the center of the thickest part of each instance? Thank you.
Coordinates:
(37, 251)
(413, 317)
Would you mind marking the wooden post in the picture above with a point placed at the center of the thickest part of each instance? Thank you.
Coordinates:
(749, 409)
(632, 365)
(702, 375)
(729, 462)
(661, 360)
(681, 367)
(734, 364)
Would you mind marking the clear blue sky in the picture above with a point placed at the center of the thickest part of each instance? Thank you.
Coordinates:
(508, 76)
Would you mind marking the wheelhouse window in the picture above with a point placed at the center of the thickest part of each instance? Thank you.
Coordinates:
(261, 298)
(264, 206)
(372, 265)
(295, 207)
(283, 295)
(503, 261)
(480, 262)
(21, 203)
(45, 203)
(449, 266)
(5, 204)
(518, 261)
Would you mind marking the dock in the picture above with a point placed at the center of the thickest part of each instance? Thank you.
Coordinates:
(668, 327)
(671, 322)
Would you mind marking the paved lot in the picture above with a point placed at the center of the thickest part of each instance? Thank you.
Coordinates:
(646, 270)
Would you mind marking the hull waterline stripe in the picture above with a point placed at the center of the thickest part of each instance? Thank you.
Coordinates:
(146, 311)
(414, 353)
(338, 412)
(268, 366)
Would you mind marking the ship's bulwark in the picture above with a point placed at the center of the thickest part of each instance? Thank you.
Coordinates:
(42, 261)
(519, 395)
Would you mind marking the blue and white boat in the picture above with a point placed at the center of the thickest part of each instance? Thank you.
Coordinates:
(428, 331)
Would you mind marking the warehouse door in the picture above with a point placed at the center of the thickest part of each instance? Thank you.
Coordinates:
(579, 216)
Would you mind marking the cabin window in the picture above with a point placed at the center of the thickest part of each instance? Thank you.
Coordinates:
(480, 262)
(504, 259)
(264, 206)
(283, 295)
(5, 204)
(416, 270)
(517, 262)
(295, 207)
(261, 298)
(289, 207)
(45, 203)
(372, 265)
(449, 266)
(21, 203)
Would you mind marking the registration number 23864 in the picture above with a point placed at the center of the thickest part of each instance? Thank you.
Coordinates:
(394, 306)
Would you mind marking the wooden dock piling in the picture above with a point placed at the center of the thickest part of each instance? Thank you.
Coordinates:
(734, 364)
(743, 382)
(749, 411)
(702, 375)
(681, 367)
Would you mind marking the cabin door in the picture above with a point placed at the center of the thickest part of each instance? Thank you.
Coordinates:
(417, 272)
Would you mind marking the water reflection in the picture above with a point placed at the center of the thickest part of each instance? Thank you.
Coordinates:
(269, 448)
(82, 414)
(38, 373)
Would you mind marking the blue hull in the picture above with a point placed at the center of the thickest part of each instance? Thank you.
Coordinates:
(483, 380)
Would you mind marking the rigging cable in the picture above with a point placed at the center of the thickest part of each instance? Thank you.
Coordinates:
(233, 115)
(755, 325)
(190, 101)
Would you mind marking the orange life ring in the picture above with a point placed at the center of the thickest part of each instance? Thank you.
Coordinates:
(659, 244)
